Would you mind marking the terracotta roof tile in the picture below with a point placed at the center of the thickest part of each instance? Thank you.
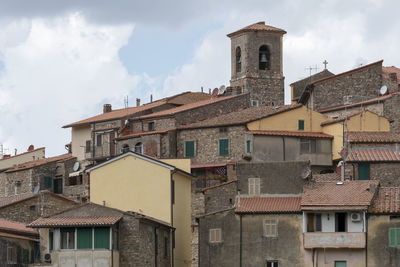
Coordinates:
(278, 204)
(39, 162)
(241, 116)
(259, 26)
(330, 195)
(300, 85)
(290, 133)
(126, 135)
(190, 106)
(210, 164)
(326, 177)
(370, 154)
(75, 221)
(339, 119)
(16, 227)
(373, 137)
(35, 150)
(386, 71)
(387, 200)
(218, 185)
(4, 201)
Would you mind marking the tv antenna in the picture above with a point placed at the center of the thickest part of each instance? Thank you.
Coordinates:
(312, 68)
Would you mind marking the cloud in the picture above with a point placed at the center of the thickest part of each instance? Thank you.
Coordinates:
(61, 70)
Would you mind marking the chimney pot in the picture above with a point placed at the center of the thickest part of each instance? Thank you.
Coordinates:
(151, 98)
(137, 102)
(107, 108)
(31, 148)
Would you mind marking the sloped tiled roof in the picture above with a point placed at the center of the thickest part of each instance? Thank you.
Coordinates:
(292, 133)
(195, 165)
(180, 99)
(218, 185)
(10, 200)
(15, 156)
(339, 119)
(241, 116)
(298, 86)
(386, 71)
(373, 137)
(16, 227)
(39, 162)
(373, 155)
(259, 26)
(387, 200)
(270, 204)
(190, 106)
(326, 177)
(75, 221)
(351, 195)
(126, 135)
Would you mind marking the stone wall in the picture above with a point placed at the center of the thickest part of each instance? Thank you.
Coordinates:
(275, 177)
(220, 197)
(387, 173)
(358, 85)
(391, 111)
(24, 251)
(207, 143)
(197, 207)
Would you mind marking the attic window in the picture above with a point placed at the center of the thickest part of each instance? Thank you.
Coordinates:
(151, 126)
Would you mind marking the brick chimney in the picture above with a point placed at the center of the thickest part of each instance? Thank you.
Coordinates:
(107, 108)
(31, 148)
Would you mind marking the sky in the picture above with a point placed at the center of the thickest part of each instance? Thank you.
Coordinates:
(60, 61)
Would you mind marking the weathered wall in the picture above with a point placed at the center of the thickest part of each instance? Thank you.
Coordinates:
(79, 136)
(24, 250)
(22, 158)
(387, 173)
(220, 197)
(275, 177)
(392, 112)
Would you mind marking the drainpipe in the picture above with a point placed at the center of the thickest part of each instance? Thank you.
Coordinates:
(284, 148)
(172, 216)
(366, 238)
(241, 241)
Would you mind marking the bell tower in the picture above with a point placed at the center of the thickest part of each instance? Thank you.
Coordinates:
(256, 63)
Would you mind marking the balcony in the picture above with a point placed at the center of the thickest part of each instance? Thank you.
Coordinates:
(334, 240)
(94, 258)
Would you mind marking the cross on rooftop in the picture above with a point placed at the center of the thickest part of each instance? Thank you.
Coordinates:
(325, 63)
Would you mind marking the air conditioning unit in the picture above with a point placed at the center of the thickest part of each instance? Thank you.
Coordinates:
(355, 217)
(47, 257)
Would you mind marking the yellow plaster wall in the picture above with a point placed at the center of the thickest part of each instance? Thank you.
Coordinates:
(368, 121)
(182, 220)
(79, 135)
(133, 184)
(336, 130)
(183, 164)
(22, 158)
(289, 121)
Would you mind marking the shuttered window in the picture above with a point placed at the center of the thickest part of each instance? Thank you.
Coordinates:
(301, 125)
(254, 186)
(363, 171)
(102, 237)
(215, 235)
(189, 149)
(223, 147)
(248, 146)
(48, 182)
(84, 236)
(394, 237)
(271, 227)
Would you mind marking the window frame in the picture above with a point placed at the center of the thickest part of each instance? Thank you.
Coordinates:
(248, 147)
(185, 152)
(254, 182)
(227, 148)
(88, 146)
(99, 139)
(301, 125)
(150, 126)
(12, 255)
(272, 263)
(140, 146)
(238, 59)
(272, 224)
(394, 241)
(215, 235)
(68, 238)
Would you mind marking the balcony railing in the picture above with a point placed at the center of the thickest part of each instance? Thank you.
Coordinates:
(334, 240)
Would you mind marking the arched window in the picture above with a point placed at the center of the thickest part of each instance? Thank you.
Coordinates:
(139, 148)
(125, 148)
(238, 59)
(264, 58)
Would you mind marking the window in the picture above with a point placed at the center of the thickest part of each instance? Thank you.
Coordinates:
(48, 182)
(270, 227)
(301, 124)
(67, 238)
(11, 255)
(98, 140)
(248, 146)
(165, 247)
(84, 238)
(32, 207)
(58, 186)
(253, 103)
(315, 146)
(51, 240)
(272, 264)
(25, 254)
(215, 235)
(189, 149)
(139, 148)
(314, 222)
(102, 237)
(17, 187)
(264, 58)
(340, 263)
(151, 126)
(223, 129)
(223, 147)
(340, 222)
(125, 148)
(88, 146)
(394, 237)
(254, 186)
(238, 59)
(363, 171)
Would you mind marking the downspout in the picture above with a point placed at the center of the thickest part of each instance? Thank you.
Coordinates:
(241, 241)
(366, 238)
(172, 218)
(199, 240)
(155, 246)
(284, 148)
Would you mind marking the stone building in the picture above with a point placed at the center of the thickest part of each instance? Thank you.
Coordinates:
(27, 207)
(95, 235)
(256, 63)
(19, 244)
(7, 161)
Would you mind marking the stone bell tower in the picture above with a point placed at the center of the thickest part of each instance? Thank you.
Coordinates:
(256, 63)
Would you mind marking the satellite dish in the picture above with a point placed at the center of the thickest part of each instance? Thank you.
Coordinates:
(221, 90)
(383, 90)
(76, 166)
(306, 172)
(36, 190)
(215, 92)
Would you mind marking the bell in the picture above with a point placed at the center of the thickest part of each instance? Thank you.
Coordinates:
(264, 58)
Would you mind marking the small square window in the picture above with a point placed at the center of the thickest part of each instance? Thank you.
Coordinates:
(301, 125)
(151, 126)
(272, 264)
(253, 103)
(215, 235)
(32, 207)
(270, 227)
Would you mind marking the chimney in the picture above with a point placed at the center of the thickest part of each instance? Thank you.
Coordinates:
(372, 188)
(6, 156)
(261, 22)
(107, 108)
(151, 98)
(15, 151)
(31, 148)
(137, 102)
(393, 77)
(209, 91)
(202, 89)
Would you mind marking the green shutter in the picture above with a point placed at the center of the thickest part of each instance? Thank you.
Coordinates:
(363, 171)
(189, 149)
(102, 237)
(394, 237)
(84, 236)
(48, 182)
(223, 147)
(301, 125)
(248, 148)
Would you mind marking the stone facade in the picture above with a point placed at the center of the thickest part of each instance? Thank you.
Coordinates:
(350, 87)
(386, 172)
(391, 111)
(220, 197)
(24, 250)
